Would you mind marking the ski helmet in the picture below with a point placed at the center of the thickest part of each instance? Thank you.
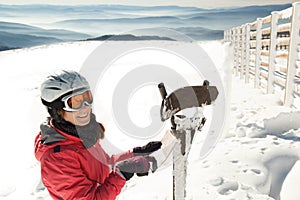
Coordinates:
(55, 87)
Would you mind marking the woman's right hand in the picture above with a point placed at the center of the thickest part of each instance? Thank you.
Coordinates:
(139, 165)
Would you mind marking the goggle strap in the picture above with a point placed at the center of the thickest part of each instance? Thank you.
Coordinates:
(55, 104)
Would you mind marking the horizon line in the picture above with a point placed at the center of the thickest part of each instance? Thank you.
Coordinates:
(136, 5)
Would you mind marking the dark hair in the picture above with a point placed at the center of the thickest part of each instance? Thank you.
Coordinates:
(54, 113)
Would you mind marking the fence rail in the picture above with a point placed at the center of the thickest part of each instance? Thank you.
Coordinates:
(268, 51)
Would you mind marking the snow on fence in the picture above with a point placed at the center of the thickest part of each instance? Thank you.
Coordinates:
(268, 51)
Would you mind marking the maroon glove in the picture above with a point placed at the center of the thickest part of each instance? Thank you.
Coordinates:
(137, 165)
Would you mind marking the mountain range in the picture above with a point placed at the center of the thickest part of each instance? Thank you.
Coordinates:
(31, 25)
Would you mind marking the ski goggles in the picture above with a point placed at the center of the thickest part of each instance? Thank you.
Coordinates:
(78, 100)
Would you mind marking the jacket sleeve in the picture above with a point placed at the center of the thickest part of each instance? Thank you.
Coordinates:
(64, 178)
(111, 160)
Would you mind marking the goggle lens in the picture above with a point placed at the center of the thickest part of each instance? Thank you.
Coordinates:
(77, 101)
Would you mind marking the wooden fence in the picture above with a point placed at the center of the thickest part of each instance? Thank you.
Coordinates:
(267, 51)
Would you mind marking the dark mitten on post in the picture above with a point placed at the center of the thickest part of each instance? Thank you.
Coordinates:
(148, 148)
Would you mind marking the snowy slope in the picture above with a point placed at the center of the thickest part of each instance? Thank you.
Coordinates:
(254, 159)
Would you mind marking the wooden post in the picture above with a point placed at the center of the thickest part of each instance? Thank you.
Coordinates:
(180, 164)
(227, 35)
(179, 173)
(291, 67)
(247, 56)
(272, 52)
(238, 51)
(187, 128)
(243, 51)
(258, 51)
(236, 56)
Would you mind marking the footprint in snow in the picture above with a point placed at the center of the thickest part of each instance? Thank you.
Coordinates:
(216, 181)
(205, 164)
(241, 132)
(263, 149)
(240, 116)
(228, 187)
(234, 108)
(255, 171)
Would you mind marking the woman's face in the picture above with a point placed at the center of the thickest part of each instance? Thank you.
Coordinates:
(80, 117)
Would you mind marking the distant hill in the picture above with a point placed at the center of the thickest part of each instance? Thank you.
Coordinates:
(11, 40)
(18, 28)
(199, 32)
(226, 18)
(17, 35)
(129, 37)
(5, 48)
(175, 17)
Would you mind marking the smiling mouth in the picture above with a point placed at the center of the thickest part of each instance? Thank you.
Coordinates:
(84, 116)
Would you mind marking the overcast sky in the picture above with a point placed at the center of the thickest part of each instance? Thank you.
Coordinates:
(197, 3)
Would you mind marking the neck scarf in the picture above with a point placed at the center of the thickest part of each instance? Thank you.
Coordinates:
(89, 134)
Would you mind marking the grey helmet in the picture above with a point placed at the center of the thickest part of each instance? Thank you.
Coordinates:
(55, 87)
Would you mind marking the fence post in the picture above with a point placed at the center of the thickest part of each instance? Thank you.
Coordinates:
(179, 172)
(236, 50)
(291, 67)
(227, 35)
(272, 52)
(243, 51)
(247, 52)
(258, 52)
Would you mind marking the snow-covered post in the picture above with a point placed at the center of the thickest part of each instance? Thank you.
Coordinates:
(291, 67)
(226, 35)
(243, 51)
(258, 51)
(236, 56)
(180, 167)
(272, 50)
(185, 131)
(184, 109)
(238, 50)
(247, 56)
(230, 35)
(179, 175)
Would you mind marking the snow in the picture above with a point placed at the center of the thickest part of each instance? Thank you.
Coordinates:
(257, 156)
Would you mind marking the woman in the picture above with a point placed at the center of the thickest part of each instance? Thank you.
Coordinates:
(73, 163)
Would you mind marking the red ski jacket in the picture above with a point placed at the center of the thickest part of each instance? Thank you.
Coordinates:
(69, 171)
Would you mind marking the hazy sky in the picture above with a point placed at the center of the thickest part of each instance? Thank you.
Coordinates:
(197, 3)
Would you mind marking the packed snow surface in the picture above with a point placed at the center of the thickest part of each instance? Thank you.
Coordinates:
(256, 156)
